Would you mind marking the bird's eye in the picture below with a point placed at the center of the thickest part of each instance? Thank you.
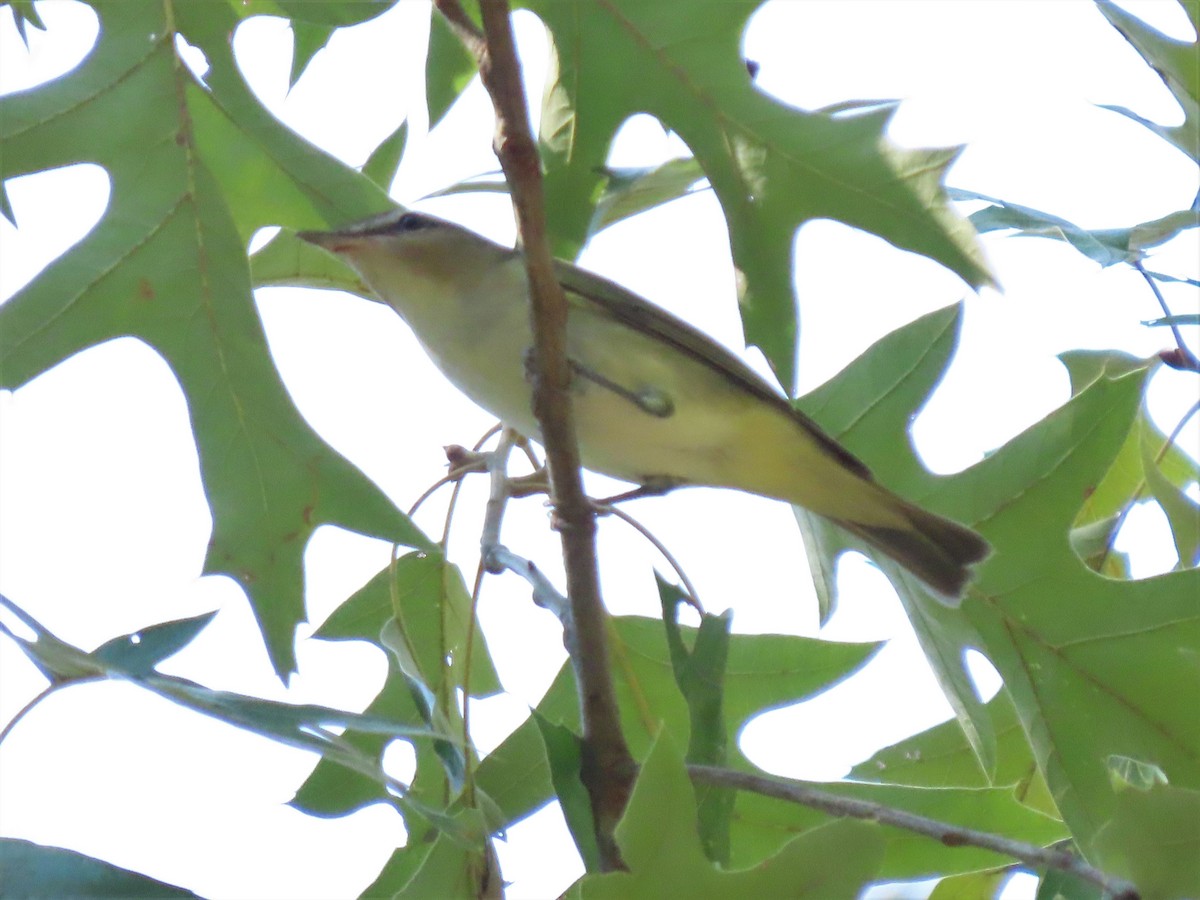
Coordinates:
(412, 222)
(390, 223)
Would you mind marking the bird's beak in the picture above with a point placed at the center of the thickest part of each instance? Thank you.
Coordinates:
(333, 241)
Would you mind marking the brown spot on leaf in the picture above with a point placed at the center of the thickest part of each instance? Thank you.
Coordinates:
(146, 289)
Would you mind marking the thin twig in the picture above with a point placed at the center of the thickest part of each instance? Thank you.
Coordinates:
(494, 557)
(462, 26)
(545, 594)
(1187, 359)
(497, 466)
(28, 707)
(468, 654)
(456, 473)
(607, 769)
(950, 835)
(693, 597)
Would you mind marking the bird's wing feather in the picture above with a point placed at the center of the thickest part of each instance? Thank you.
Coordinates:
(615, 302)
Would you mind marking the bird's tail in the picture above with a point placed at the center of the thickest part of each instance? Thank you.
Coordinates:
(935, 549)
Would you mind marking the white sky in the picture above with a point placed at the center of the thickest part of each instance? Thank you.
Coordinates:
(103, 525)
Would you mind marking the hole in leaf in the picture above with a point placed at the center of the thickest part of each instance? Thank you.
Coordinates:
(193, 57)
(1146, 541)
(400, 761)
(983, 674)
(1126, 771)
(261, 238)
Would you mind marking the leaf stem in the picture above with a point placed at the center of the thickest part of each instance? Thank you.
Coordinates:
(1185, 358)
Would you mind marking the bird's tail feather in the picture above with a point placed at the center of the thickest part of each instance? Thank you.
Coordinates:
(935, 549)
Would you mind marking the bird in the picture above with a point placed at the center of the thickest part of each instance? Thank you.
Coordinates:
(657, 402)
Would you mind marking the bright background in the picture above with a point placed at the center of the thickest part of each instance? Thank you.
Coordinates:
(103, 524)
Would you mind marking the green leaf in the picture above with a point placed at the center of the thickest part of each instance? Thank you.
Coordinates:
(313, 24)
(425, 594)
(307, 41)
(24, 14)
(628, 192)
(334, 790)
(660, 844)
(1153, 840)
(450, 871)
(297, 724)
(700, 675)
(140, 652)
(1126, 480)
(381, 165)
(57, 660)
(1183, 513)
(943, 757)
(972, 886)
(516, 775)
(402, 864)
(564, 753)
(304, 726)
(772, 166)
(1107, 246)
(1175, 62)
(764, 671)
(1086, 367)
(167, 265)
(1093, 665)
(1058, 885)
(33, 871)
(868, 407)
(431, 607)
(449, 66)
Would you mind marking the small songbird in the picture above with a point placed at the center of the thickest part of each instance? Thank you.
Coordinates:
(657, 403)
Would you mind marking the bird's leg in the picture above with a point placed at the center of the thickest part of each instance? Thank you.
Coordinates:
(654, 486)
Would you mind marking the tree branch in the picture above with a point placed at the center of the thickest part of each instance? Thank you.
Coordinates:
(950, 835)
(608, 768)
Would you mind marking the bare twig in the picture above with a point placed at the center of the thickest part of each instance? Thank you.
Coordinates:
(608, 769)
(497, 466)
(545, 594)
(460, 23)
(1183, 357)
(950, 835)
(28, 707)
